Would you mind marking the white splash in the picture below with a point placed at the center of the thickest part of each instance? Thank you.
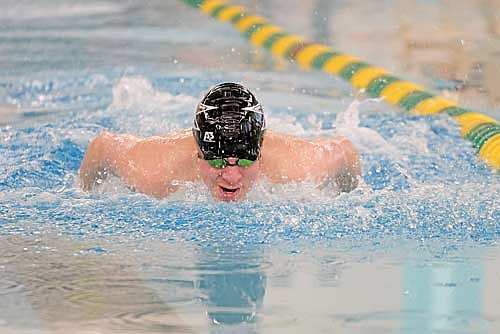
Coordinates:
(265, 190)
(365, 139)
(139, 108)
(138, 92)
(286, 124)
(369, 141)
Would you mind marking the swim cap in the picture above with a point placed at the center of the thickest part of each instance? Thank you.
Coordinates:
(229, 122)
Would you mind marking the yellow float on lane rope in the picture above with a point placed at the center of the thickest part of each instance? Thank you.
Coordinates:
(483, 131)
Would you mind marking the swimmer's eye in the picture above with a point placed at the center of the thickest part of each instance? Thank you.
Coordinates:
(245, 162)
(217, 163)
(221, 163)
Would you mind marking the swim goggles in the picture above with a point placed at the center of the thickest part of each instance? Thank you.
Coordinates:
(222, 163)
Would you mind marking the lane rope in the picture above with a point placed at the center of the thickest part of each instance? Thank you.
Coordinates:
(481, 130)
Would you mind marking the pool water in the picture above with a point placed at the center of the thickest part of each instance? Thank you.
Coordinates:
(414, 249)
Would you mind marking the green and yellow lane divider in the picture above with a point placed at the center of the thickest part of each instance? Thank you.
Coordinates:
(483, 131)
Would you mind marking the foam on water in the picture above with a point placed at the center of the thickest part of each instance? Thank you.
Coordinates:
(138, 107)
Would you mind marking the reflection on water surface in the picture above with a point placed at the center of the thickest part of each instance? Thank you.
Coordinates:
(56, 285)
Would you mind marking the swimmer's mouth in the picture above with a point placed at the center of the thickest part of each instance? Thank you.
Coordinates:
(228, 194)
(227, 190)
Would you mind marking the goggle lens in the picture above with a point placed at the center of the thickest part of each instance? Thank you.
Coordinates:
(221, 163)
(245, 162)
(217, 163)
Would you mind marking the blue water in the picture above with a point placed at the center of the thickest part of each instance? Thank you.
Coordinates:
(413, 250)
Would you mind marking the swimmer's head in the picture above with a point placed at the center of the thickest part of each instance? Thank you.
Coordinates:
(229, 122)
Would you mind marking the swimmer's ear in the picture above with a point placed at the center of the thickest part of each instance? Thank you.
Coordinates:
(199, 154)
(262, 137)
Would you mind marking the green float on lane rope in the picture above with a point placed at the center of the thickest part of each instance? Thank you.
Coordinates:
(483, 131)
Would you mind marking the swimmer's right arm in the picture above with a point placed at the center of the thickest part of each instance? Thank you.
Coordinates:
(104, 156)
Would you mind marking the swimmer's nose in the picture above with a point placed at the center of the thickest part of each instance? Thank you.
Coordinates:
(232, 174)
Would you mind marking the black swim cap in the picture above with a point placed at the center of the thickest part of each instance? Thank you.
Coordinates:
(229, 122)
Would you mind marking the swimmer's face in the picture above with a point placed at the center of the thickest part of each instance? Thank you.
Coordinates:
(230, 183)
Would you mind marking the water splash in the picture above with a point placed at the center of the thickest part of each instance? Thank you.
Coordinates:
(410, 187)
(347, 123)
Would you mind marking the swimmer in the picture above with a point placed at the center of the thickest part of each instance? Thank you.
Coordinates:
(228, 148)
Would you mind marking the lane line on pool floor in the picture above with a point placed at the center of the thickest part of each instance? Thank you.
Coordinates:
(481, 130)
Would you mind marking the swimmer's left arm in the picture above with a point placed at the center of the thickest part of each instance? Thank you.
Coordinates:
(344, 167)
(325, 160)
(347, 177)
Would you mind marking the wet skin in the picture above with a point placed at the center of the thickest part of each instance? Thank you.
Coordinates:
(230, 183)
(158, 166)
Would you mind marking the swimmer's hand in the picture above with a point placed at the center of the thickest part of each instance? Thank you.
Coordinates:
(347, 178)
(346, 165)
(90, 181)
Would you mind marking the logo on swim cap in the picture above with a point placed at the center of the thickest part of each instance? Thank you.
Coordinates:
(229, 122)
(209, 137)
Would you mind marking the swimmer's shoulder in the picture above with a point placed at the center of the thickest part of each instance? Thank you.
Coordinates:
(126, 143)
(180, 141)
(284, 157)
(281, 144)
(276, 141)
(179, 146)
(155, 162)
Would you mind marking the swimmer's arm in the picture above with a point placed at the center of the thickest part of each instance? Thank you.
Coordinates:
(104, 156)
(348, 175)
(327, 160)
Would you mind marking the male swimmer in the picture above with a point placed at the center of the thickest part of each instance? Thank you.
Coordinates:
(228, 148)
